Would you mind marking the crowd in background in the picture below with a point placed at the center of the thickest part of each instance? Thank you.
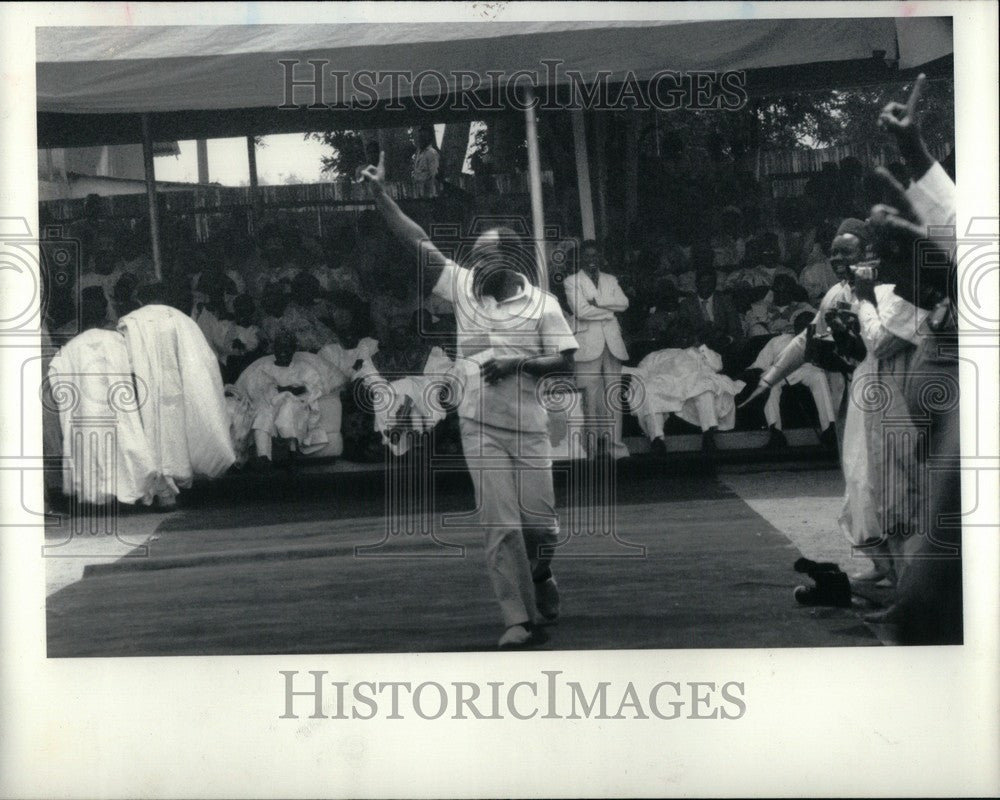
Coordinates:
(761, 269)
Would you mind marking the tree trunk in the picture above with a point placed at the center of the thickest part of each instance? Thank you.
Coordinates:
(454, 145)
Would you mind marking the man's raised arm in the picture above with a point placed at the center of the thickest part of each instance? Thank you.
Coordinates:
(402, 227)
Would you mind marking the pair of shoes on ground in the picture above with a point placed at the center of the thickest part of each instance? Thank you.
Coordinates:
(529, 634)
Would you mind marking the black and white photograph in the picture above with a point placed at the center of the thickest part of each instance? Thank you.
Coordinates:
(521, 340)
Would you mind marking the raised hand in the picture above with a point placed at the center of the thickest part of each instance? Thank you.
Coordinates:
(864, 283)
(894, 223)
(900, 119)
(903, 122)
(373, 174)
(909, 250)
(900, 202)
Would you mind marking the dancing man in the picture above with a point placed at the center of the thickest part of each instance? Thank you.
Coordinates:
(513, 334)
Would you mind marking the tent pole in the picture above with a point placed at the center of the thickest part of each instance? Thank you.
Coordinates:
(202, 145)
(583, 173)
(535, 183)
(600, 153)
(252, 163)
(154, 211)
(631, 168)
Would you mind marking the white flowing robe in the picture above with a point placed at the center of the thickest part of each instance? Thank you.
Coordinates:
(673, 378)
(425, 408)
(184, 417)
(284, 414)
(879, 451)
(105, 453)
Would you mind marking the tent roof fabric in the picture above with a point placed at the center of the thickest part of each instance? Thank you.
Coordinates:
(115, 71)
(173, 68)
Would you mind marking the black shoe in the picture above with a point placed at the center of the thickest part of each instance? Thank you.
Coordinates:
(708, 441)
(260, 464)
(809, 567)
(776, 441)
(658, 447)
(832, 587)
(547, 599)
(828, 438)
(833, 590)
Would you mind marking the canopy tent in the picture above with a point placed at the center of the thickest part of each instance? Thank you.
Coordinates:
(114, 85)
(210, 81)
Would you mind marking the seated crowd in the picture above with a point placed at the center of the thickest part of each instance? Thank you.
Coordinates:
(320, 350)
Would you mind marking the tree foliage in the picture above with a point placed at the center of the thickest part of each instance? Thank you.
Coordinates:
(348, 151)
(807, 120)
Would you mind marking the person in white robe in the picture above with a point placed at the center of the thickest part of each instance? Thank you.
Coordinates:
(880, 440)
(348, 360)
(284, 390)
(343, 359)
(105, 453)
(407, 403)
(808, 375)
(184, 417)
(685, 381)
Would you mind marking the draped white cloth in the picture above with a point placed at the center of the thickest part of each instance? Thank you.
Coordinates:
(281, 413)
(184, 417)
(415, 396)
(105, 453)
(671, 379)
(343, 359)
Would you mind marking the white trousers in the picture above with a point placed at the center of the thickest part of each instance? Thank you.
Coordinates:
(515, 508)
(595, 379)
(813, 377)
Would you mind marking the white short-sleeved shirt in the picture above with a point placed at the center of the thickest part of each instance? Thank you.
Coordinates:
(530, 323)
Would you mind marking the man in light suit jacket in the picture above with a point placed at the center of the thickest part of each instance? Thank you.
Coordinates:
(714, 321)
(595, 298)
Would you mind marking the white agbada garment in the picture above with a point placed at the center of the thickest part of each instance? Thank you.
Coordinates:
(185, 417)
(105, 453)
(425, 409)
(672, 378)
(877, 396)
(344, 359)
(284, 414)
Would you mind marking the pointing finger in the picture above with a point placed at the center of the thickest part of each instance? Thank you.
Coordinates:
(918, 88)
